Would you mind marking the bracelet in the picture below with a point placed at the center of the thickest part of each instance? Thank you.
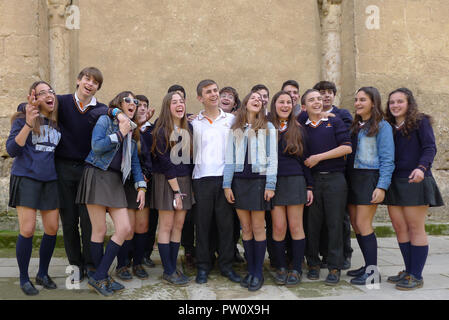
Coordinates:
(141, 189)
(422, 168)
(115, 112)
(31, 127)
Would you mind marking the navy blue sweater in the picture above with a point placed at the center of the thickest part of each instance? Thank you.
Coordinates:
(162, 163)
(326, 136)
(291, 165)
(36, 158)
(146, 141)
(418, 148)
(76, 128)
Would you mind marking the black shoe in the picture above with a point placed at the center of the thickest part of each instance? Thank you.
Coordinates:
(363, 279)
(114, 285)
(397, 278)
(238, 258)
(232, 275)
(409, 283)
(46, 282)
(314, 273)
(255, 284)
(140, 272)
(101, 287)
(29, 289)
(123, 274)
(333, 277)
(148, 262)
(357, 272)
(280, 277)
(346, 263)
(246, 281)
(293, 278)
(201, 276)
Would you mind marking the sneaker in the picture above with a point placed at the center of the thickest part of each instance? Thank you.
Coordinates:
(100, 286)
(140, 272)
(397, 278)
(410, 283)
(123, 274)
(333, 277)
(293, 278)
(314, 273)
(280, 277)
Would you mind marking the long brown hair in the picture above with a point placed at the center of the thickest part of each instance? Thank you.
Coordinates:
(293, 136)
(165, 126)
(52, 118)
(377, 115)
(412, 115)
(241, 118)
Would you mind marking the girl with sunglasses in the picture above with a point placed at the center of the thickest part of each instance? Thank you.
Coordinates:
(110, 163)
(31, 142)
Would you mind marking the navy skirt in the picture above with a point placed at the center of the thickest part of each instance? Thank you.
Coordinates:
(290, 190)
(404, 194)
(31, 193)
(249, 194)
(362, 184)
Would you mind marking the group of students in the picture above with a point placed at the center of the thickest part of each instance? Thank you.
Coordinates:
(294, 173)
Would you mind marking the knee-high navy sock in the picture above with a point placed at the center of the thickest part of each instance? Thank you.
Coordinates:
(405, 250)
(248, 245)
(298, 247)
(260, 247)
(110, 253)
(164, 252)
(358, 236)
(370, 248)
(122, 255)
(24, 247)
(139, 241)
(280, 257)
(174, 249)
(418, 260)
(96, 251)
(45, 253)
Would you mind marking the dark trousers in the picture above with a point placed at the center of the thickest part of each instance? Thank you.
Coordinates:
(328, 205)
(152, 227)
(347, 249)
(210, 203)
(73, 215)
(188, 233)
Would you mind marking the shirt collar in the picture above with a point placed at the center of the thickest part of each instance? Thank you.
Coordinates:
(221, 115)
(330, 110)
(93, 102)
(145, 125)
(315, 124)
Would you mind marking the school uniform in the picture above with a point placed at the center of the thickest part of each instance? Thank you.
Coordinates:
(330, 190)
(416, 150)
(76, 124)
(209, 159)
(33, 184)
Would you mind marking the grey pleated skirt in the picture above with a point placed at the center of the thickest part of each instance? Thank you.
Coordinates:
(290, 190)
(249, 194)
(401, 193)
(27, 192)
(162, 194)
(103, 188)
(361, 185)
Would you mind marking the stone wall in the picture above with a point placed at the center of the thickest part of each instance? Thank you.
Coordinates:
(146, 46)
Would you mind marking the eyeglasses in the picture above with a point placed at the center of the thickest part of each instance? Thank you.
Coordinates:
(46, 93)
(129, 100)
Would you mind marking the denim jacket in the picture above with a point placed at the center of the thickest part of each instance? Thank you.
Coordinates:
(105, 144)
(262, 148)
(376, 152)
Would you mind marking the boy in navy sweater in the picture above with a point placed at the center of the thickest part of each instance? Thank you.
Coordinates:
(328, 141)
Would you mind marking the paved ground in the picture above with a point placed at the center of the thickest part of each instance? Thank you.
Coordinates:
(436, 281)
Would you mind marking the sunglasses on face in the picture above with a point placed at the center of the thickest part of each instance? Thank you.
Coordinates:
(129, 100)
(45, 93)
